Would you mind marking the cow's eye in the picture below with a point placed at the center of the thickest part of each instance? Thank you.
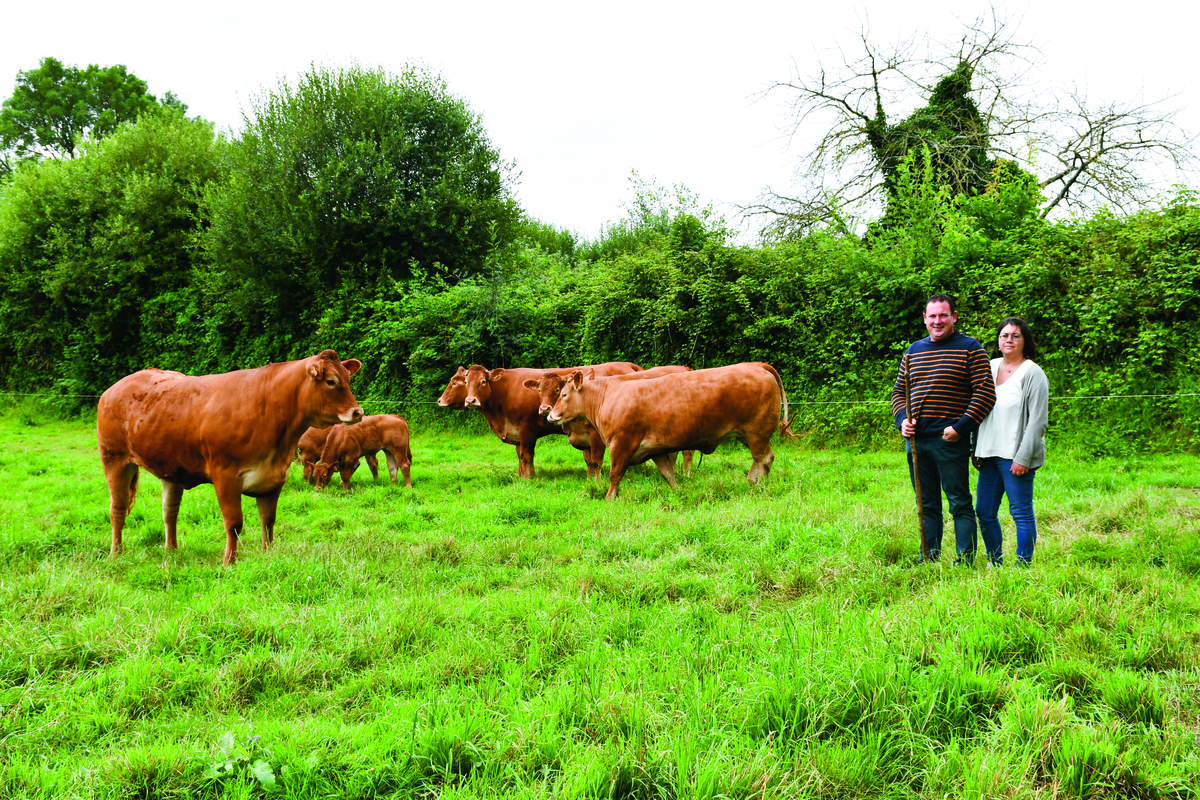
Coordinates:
(330, 382)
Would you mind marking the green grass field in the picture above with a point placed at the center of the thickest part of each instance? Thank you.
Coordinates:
(481, 636)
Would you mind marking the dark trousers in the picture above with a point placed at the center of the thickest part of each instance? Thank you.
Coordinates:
(944, 467)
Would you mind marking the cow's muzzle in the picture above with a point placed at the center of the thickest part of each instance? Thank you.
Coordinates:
(352, 416)
(552, 417)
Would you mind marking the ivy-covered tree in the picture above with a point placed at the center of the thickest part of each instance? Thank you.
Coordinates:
(977, 113)
(56, 105)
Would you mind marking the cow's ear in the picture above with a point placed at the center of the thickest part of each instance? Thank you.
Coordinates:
(352, 366)
(462, 372)
(590, 374)
(314, 368)
(532, 384)
(576, 379)
(496, 373)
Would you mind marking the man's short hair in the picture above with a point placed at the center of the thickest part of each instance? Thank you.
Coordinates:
(941, 298)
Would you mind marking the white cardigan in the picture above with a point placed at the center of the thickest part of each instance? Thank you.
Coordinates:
(1016, 429)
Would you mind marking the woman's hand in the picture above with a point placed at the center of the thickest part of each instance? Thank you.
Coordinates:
(1018, 469)
(976, 462)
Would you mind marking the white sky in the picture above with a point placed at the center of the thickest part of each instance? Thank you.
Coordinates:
(582, 95)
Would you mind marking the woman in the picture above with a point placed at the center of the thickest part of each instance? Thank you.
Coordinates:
(1009, 446)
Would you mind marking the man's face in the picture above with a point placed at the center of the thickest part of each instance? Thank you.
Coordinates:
(939, 320)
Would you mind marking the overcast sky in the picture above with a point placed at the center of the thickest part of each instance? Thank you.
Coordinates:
(579, 96)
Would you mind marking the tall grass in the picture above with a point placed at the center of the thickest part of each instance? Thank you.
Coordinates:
(481, 636)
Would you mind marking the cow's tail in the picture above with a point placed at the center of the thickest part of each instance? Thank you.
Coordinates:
(785, 425)
(133, 488)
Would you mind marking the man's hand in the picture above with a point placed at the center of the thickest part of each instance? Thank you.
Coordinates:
(950, 435)
(976, 462)
(1018, 470)
(908, 428)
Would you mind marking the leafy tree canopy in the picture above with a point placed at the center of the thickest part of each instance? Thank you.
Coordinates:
(56, 105)
(344, 181)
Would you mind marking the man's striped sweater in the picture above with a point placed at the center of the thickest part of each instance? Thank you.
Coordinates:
(951, 385)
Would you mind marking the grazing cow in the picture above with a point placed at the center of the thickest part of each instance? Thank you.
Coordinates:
(641, 420)
(237, 431)
(347, 443)
(309, 453)
(550, 385)
(512, 411)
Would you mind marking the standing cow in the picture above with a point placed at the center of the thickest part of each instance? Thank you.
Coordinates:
(512, 411)
(237, 431)
(312, 442)
(346, 444)
(550, 385)
(641, 420)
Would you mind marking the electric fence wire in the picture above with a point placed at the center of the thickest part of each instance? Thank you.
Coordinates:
(397, 403)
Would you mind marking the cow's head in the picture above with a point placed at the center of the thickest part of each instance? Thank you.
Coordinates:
(479, 385)
(455, 393)
(569, 405)
(327, 399)
(321, 474)
(547, 388)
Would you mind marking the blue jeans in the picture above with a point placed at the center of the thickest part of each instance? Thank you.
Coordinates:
(995, 481)
(944, 467)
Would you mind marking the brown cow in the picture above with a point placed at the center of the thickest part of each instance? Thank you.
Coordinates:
(347, 443)
(550, 385)
(309, 453)
(237, 431)
(455, 393)
(512, 411)
(640, 420)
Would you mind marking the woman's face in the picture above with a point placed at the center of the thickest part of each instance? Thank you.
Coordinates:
(1011, 341)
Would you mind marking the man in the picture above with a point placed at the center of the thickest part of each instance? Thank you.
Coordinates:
(952, 392)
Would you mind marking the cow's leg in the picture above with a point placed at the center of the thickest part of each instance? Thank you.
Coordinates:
(391, 465)
(172, 496)
(267, 503)
(347, 471)
(525, 455)
(229, 498)
(122, 478)
(618, 462)
(406, 466)
(373, 465)
(666, 467)
(595, 454)
(687, 462)
(308, 472)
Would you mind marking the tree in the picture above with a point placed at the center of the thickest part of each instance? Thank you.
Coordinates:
(55, 106)
(338, 187)
(980, 115)
(96, 276)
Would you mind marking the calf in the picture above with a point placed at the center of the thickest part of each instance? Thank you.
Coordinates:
(347, 444)
(237, 431)
(641, 420)
(309, 453)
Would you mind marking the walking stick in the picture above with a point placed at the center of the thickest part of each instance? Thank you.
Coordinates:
(913, 446)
